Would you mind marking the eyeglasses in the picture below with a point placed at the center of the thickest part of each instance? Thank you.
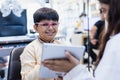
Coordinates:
(46, 24)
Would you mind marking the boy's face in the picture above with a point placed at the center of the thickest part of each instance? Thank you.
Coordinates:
(47, 29)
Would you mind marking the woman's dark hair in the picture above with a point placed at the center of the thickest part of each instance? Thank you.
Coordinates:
(113, 24)
(45, 14)
(104, 1)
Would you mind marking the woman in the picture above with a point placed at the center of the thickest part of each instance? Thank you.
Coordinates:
(107, 67)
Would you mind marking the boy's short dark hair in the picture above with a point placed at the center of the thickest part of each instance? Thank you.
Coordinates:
(45, 14)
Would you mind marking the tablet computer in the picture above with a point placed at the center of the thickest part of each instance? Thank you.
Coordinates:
(57, 51)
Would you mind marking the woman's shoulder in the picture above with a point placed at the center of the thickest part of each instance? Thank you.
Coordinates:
(115, 37)
(114, 40)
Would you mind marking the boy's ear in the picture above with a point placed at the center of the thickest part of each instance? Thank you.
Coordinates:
(35, 28)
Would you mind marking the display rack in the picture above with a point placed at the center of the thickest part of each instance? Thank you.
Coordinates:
(94, 11)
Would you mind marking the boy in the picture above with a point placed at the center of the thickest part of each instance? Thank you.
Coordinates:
(46, 24)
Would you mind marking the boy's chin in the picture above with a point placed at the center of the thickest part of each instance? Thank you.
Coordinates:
(50, 39)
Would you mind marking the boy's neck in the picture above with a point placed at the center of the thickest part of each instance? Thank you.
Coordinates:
(43, 41)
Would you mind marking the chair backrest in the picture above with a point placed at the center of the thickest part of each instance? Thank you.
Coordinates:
(15, 64)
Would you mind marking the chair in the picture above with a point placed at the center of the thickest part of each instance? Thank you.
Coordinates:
(15, 64)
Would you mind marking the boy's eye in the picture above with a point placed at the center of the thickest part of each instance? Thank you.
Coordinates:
(53, 24)
(45, 24)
